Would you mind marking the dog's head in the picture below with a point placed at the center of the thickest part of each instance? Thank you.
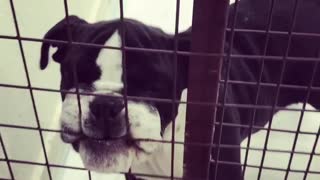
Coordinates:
(106, 140)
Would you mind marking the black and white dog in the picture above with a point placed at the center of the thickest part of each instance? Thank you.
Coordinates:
(107, 143)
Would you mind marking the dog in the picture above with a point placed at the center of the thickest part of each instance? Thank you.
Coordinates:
(107, 142)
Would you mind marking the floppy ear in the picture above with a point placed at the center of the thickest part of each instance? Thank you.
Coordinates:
(58, 32)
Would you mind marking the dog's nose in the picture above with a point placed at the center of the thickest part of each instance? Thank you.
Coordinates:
(106, 119)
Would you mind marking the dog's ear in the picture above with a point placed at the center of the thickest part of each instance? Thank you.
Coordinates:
(58, 32)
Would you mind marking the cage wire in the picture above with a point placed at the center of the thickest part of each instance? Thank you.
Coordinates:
(196, 167)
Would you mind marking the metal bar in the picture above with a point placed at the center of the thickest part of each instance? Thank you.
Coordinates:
(263, 84)
(137, 49)
(224, 146)
(89, 175)
(268, 168)
(6, 157)
(124, 64)
(258, 31)
(315, 67)
(208, 30)
(262, 128)
(84, 169)
(284, 63)
(236, 82)
(151, 175)
(165, 100)
(174, 89)
(77, 168)
(29, 85)
(270, 14)
(217, 123)
(273, 32)
(74, 67)
(312, 154)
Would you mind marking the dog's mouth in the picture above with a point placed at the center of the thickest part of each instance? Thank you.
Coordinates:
(129, 141)
(107, 155)
(106, 142)
(75, 140)
(111, 143)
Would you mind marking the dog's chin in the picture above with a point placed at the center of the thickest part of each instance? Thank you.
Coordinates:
(106, 156)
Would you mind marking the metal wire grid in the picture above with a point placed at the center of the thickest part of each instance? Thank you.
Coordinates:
(173, 101)
(278, 91)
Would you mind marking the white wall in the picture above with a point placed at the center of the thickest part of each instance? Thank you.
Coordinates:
(35, 17)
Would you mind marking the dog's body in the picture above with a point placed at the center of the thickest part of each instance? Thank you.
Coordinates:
(107, 144)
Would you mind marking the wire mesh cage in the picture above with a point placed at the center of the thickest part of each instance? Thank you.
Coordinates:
(212, 141)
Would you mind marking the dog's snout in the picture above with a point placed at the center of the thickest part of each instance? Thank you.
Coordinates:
(106, 119)
(107, 108)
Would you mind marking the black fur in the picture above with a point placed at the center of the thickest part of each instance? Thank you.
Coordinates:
(150, 74)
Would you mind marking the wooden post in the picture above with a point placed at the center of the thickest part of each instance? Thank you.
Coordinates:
(208, 33)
